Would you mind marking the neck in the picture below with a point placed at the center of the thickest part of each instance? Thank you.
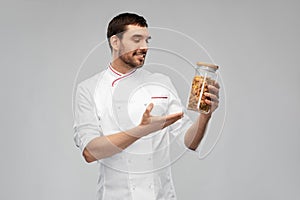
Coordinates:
(120, 66)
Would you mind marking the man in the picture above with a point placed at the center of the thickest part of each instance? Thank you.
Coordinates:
(126, 117)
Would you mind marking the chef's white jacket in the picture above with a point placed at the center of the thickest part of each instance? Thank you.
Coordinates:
(110, 102)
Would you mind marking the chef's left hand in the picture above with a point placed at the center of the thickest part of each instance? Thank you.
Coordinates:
(212, 96)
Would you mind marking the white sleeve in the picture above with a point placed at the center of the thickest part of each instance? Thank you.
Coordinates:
(86, 122)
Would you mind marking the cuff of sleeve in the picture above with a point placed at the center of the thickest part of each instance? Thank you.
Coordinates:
(84, 136)
(86, 141)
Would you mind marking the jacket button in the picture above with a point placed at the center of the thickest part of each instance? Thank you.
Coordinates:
(151, 186)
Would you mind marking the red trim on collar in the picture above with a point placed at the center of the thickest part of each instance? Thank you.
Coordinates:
(112, 84)
(114, 71)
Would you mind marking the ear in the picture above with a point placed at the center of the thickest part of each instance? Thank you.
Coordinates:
(115, 42)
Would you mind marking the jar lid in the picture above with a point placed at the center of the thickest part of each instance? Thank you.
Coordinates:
(213, 66)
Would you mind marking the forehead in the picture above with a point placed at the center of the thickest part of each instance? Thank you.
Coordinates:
(136, 30)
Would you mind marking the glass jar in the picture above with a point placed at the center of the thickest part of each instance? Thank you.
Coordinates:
(205, 74)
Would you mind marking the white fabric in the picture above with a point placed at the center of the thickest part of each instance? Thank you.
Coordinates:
(110, 102)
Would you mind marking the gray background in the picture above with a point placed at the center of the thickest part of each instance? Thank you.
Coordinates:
(255, 42)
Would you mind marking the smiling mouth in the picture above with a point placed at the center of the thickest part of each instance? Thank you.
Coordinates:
(140, 56)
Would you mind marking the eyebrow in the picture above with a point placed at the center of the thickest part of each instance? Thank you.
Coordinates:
(141, 36)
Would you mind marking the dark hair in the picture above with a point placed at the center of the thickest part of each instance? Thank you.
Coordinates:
(118, 24)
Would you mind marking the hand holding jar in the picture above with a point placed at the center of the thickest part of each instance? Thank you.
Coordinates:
(204, 94)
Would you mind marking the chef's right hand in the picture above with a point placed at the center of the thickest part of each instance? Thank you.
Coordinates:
(154, 123)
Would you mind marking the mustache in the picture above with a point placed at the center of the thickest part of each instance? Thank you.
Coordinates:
(140, 52)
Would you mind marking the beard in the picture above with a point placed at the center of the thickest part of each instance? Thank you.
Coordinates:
(133, 59)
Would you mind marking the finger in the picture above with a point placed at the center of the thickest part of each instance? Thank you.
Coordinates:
(174, 116)
(164, 121)
(216, 84)
(214, 90)
(149, 108)
(212, 97)
(212, 103)
(172, 119)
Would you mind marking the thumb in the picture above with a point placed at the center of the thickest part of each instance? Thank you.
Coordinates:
(149, 108)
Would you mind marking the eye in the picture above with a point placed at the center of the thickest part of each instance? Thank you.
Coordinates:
(137, 40)
(148, 39)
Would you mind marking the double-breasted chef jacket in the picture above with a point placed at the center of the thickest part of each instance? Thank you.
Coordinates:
(110, 102)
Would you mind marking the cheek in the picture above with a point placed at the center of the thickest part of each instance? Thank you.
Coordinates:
(129, 46)
(123, 51)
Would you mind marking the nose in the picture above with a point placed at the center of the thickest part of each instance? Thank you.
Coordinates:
(144, 45)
